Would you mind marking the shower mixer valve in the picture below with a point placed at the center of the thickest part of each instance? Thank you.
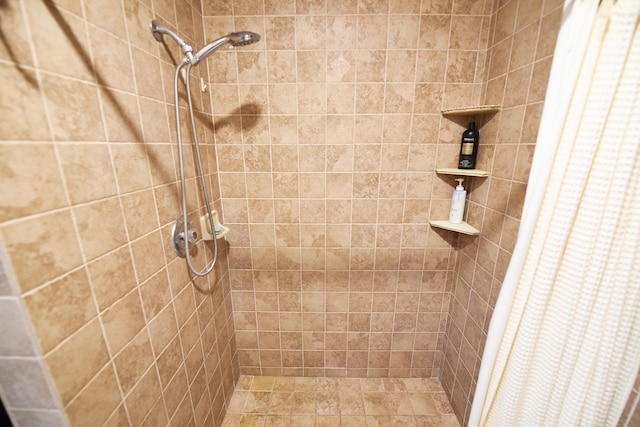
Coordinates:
(178, 241)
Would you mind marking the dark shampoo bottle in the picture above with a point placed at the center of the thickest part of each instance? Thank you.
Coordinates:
(469, 147)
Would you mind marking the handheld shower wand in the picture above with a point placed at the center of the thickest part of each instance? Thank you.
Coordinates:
(242, 38)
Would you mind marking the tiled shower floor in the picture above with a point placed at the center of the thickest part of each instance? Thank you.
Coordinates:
(306, 401)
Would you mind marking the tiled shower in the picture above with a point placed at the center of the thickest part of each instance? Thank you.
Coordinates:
(321, 147)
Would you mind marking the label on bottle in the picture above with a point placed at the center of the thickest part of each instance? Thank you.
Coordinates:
(467, 148)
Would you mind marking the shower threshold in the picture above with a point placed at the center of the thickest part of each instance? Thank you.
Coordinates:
(363, 402)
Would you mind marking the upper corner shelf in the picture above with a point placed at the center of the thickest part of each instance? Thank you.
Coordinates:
(462, 172)
(468, 111)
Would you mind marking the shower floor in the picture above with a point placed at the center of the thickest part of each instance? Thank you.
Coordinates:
(363, 402)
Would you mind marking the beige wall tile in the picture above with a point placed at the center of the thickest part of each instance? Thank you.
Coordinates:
(95, 403)
(372, 32)
(100, 227)
(111, 60)
(224, 69)
(140, 213)
(470, 7)
(137, 14)
(60, 308)
(132, 362)
(549, 23)
(131, 164)
(434, 31)
(77, 360)
(155, 294)
(143, 397)
(370, 65)
(123, 320)
(279, 33)
(461, 66)
(30, 184)
(461, 38)
(53, 29)
(279, 64)
(121, 116)
(505, 21)
(528, 12)
(510, 125)
(520, 55)
(113, 22)
(16, 46)
(22, 105)
(41, 248)
(73, 109)
(112, 276)
(148, 255)
(87, 171)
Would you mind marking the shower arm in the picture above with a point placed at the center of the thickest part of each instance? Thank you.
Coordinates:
(159, 30)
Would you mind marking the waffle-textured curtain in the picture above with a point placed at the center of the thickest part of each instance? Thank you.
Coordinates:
(563, 346)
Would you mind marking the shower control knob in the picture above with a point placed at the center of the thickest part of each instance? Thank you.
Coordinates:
(178, 232)
(193, 236)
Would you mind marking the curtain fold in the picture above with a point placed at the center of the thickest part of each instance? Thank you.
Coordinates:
(564, 341)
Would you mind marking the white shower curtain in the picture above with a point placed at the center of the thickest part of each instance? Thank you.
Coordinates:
(563, 347)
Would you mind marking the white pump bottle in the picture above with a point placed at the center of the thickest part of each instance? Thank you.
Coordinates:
(457, 203)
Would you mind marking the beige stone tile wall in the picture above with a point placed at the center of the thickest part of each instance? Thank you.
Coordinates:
(88, 194)
(519, 56)
(328, 132)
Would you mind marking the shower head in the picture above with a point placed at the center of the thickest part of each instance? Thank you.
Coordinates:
(241, 38)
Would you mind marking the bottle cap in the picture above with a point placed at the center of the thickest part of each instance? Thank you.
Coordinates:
(459, 187)
(472, 125)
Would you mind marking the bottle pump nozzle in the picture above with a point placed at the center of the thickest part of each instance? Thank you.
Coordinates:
(460, 187)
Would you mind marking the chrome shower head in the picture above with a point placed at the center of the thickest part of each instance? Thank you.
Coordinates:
(242, 38)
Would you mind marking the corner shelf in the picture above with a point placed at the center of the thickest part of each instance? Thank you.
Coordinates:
(469, 111)
(463, 227)
(462, 172)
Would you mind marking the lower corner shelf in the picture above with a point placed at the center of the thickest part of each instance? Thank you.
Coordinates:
(463, 227)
